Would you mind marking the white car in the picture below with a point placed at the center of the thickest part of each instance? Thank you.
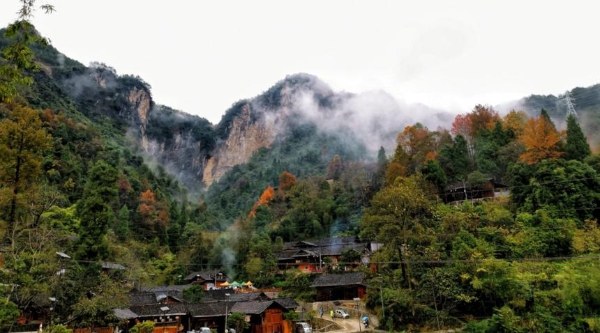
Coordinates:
(341, 314)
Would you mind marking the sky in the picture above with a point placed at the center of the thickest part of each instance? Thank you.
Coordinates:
(202, 56)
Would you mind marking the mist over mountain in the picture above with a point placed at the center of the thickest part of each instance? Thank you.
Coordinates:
(586, 101)
(487, 213)
(199, 153)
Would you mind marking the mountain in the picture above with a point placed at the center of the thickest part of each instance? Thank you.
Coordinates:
(199, 153)
(587, 105)
(93, 171)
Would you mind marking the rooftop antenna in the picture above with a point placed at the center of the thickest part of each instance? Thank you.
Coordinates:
(570, 102)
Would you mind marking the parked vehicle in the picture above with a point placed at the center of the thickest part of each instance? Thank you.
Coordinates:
(303, 327)
(339, 313)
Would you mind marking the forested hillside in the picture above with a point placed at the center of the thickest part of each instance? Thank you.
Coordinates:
(586, 102)
(488, 224)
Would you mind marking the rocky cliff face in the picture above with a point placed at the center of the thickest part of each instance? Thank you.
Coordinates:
(140, 103)
(199, 153)
(98, 90)
(246, 136)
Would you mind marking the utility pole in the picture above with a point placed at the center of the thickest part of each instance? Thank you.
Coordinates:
(570, 103)
(357, 299)
(226, 310)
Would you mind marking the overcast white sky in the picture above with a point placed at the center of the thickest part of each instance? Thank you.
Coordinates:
(202, 56)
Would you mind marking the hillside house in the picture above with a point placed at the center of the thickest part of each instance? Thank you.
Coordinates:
(462, 191)
(208, 279)
(263, 316)
(312, 256)
(346, 286)
(165, 306)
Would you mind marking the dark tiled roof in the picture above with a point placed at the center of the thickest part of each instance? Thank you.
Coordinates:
(332, 280)
(333, 241)
(461, 186)
(253, 307)
(207, 275)
(219, 295)
(216, 294)
(209, 309)
(305, 253)
(333, 246)
(288, 303)
(304, 244)
(124, 314)
(175, 288)
(155, 310)
(142, 298)
(112, 265)
(244, 297)
(336, 250)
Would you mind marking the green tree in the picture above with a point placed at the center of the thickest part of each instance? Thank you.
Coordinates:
(96, 213)
(9, 312)
(396, 217)
(577, 147)
(147, 326)
(564, 188)
(193, 294)
(237, 320)
(433, 173)
(19, 57)
(455, 160)
(121, 227)
(95, 306)
(22, 143)
(379, 175)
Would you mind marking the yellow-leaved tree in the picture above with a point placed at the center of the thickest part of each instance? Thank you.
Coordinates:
(541, 140)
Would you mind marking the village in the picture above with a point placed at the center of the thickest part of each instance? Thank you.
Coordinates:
(263, 309)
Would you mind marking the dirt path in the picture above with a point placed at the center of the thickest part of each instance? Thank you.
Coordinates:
(352, 324)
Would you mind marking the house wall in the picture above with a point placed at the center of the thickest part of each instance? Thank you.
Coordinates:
(96, 330)
(362, 292)
(340, 293)
(272, 321)
(165, 329)
(306, 267)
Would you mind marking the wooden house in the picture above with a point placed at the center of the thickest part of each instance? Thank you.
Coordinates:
(263, 316)
(312, 256)
(463, 191)
(208, 279)
(346, 286)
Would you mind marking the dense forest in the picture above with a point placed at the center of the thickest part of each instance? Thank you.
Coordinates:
(76, 191)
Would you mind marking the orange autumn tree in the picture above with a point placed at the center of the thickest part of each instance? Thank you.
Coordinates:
(286, 180)
(266, 197)
(417, 144)
(482, 117)
(153, 213)
(515, 121)
(469, 125)
(541, 140)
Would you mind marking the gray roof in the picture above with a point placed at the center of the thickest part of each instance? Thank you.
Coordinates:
(209, 309)
(288, 303)
(178, 309)
(175, 287)
(142, 298)
(220, 295)
(207, 275)
(112, 265)
(125, 314)
(254, 307)
(334, 280)
(332, 246)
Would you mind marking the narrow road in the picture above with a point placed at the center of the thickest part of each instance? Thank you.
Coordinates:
(350, 325)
